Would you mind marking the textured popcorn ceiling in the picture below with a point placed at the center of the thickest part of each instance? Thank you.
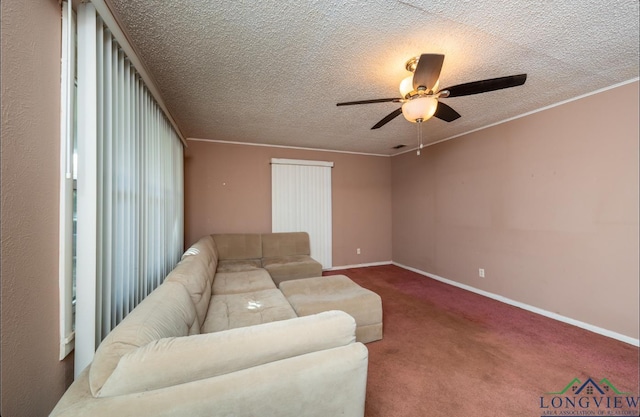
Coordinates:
(271, 71)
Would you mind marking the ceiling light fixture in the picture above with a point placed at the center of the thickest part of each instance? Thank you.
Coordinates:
(419, 108)
(420, 104)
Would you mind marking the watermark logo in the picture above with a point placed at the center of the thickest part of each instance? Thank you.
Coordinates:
(590, 398)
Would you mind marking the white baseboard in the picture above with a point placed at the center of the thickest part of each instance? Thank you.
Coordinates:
(555, 316)
(338, 268)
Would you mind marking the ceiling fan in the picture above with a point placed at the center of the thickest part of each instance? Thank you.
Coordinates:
(420, 96)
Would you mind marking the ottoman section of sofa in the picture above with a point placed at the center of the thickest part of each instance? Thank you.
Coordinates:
(337, 292)
(230, 311)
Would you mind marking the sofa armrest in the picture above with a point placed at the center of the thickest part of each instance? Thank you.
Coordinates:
(330, 382)
(171, 361)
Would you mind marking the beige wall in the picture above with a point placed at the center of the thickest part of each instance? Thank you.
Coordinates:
(228, 190)
(547, 204)
(33, 378)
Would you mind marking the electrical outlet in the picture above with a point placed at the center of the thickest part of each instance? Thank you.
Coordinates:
(358, 251)
(481, 272)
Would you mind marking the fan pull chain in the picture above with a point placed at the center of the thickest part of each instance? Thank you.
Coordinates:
(419, 137)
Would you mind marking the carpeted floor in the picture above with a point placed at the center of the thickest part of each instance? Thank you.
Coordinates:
(450, 352)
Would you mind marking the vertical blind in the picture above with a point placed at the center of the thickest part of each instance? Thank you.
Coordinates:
(301, 202)
(131, 175)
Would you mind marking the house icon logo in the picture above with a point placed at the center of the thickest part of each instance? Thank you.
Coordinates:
(590, 387)
(590, 397)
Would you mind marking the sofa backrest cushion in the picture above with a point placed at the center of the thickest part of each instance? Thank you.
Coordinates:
(167, 312)
(238, 246)
(284, 244)
(172, 361)
(205, 246)
(196, 271)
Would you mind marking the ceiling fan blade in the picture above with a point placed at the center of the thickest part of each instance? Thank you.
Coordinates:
(484, 86)
(377, 100)
(446, 113)
(427, 71)
(388, 118)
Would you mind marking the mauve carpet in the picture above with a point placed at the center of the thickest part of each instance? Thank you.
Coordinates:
(450, 352)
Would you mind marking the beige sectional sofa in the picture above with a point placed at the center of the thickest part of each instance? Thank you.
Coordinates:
(218, 338)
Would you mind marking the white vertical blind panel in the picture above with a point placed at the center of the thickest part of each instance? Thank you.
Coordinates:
(87, 194)
(138, 190)
(301, 201)
(105, 301)
(117, 197)
(109, 198)
(100, 184)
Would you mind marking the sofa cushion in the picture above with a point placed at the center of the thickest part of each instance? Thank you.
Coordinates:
(196, 271)
(243, 281)
(207, 246)
(172, 361)
(284, 268)
(237, 265)
(167, 312)
(284, 244)
(229, 311)
(238, 246)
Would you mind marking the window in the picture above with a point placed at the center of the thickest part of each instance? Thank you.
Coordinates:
(121, 221)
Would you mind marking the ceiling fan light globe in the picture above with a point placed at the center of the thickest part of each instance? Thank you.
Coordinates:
(406, 86)
(422, 108)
